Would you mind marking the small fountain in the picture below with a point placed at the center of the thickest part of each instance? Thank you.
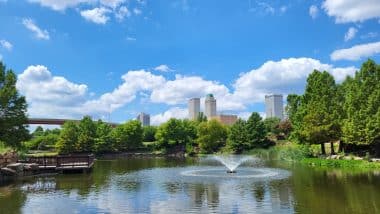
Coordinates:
(232, 162)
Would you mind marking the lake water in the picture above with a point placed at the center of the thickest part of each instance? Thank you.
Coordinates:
(163, 185)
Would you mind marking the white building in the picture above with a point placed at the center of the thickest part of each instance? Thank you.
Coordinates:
(144, 119)
(194, 106)
(274, 106)
(210, 106)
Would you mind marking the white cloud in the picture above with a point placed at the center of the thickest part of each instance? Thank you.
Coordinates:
(346, 11)
(350, 34)
(112, 3)
(49, 95)
(6, 44)
(283, 77)
(122, 13)
(137, 11)
(96, 15)
(356, 52)
(38, 32)
(60, 5)
(131, 38)
(175, 112)
(163, 68)
(313, 11)
(370, 35)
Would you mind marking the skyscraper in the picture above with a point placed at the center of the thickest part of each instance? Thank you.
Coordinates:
(144, 119)
(194, 106)
(274, 106)
(210, 106)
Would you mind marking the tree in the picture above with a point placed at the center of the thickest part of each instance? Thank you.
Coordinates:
(362, 106)
(103, 141)
(212, 135)
(238, 137)
(285, 127)
(201, 117)
(256, 130)
(39, 131)
(320, 123)
(271, 125)
(128, 135)
(68, 138)
(86, 135)
(175, 132)
(148, 133)
(13, 108)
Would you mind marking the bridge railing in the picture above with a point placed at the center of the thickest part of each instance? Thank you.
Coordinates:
(63, 161)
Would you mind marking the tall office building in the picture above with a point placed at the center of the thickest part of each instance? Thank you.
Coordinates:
(144, 119)
(194, 106)
(274, 106)
(210, 106)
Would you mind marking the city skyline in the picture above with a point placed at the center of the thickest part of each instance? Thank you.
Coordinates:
(114, 59)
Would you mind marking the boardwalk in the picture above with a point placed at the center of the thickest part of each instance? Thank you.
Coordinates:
(64, 162)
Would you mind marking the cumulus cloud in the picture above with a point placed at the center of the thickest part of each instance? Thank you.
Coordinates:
(356, 52)
(38, 32)
(350, 34)
(352, 10)
(6, 44)
(313, 11)
(163, 68)
(122, 13)
(112, 3)
(175, 112)
(49, 95)
(60, 5)
(282, 77)
(96, 15)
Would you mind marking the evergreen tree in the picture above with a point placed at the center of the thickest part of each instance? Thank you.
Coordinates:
(13, 108)
(256, 130)
(238, 137)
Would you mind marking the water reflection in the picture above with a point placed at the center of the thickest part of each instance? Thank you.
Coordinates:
(153, 185)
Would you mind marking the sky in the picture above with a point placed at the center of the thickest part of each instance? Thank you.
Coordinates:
(112, 59)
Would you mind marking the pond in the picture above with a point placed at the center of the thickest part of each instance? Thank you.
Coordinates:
(192, 185)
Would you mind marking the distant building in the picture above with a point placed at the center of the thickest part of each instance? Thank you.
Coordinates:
(274, 106)
(194, 106)
(210, 106)
(226, 119)
(144, 119)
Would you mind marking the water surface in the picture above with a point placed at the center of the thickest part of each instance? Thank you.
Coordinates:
(161, 185)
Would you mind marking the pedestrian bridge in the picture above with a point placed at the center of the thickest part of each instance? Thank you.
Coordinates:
(54, 121)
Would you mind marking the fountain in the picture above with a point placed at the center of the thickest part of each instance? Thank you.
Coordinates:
(231, 162)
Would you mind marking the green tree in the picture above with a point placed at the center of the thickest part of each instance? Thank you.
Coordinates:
(128, 135)
(39, 131)
(68, 138)
(271, 125)
(212, 135)
(256, 130)
(86, 135)
(285, 127)
(238, 137)
(13, 110)
(103, 141)
(201, 117)
(321, 121)
(175, 132)
(149, 133)
(362, 106)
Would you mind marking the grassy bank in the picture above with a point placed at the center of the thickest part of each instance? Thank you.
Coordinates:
(345, 164)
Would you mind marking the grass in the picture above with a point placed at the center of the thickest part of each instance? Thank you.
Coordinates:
(4, 149)
(345, 164)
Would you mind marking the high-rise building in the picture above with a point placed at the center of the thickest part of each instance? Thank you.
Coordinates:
(274, 106)
(144, 119)
(210, 106)
(194, 106)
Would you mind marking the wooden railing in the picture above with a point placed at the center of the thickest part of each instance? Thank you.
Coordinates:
(63, 161)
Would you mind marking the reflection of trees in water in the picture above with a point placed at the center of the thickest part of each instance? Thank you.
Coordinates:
(259, 191)
(326, 191)
(12, 199)
(200, 193)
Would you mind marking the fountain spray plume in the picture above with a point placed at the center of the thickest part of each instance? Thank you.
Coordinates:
(232, 162)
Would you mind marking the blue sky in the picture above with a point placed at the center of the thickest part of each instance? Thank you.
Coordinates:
(115, 58)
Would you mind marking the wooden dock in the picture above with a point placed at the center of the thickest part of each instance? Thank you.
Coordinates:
(75, 162)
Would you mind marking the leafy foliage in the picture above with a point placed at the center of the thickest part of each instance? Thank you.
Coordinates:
(128, 135)
(149, 133)
(238, 137)
(175, 132)
(256, 130)
(271, 125)
(13, 110)
(212, 135)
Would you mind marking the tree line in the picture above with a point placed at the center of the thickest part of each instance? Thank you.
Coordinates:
(348, 112)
